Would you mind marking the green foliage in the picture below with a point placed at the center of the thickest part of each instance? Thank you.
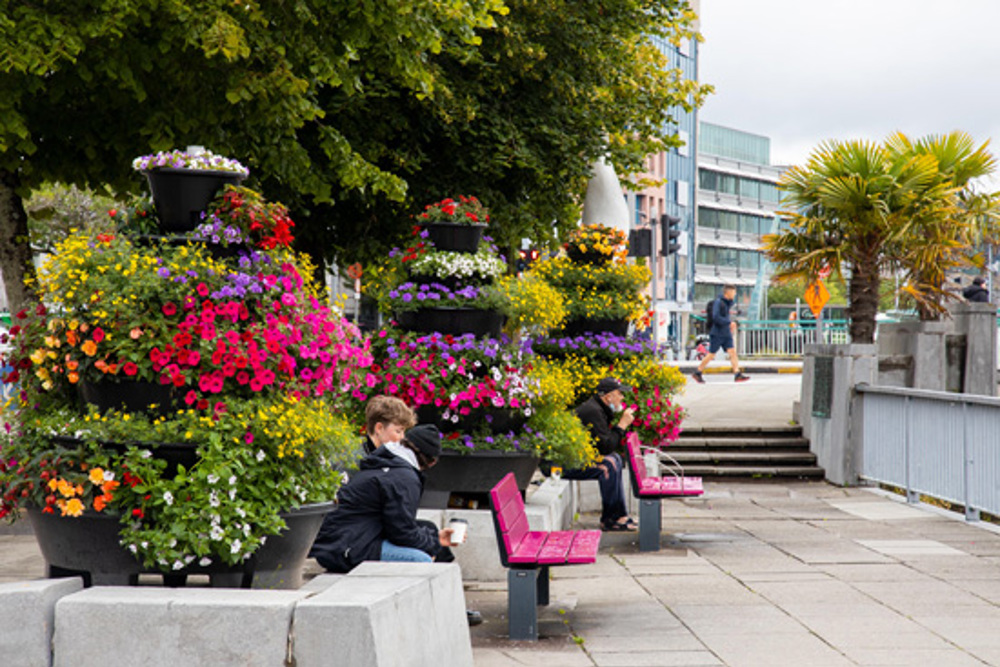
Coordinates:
(600, 291)
(55, 208)
(874, 209)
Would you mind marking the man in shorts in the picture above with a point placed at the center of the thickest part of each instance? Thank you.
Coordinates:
(720, 336)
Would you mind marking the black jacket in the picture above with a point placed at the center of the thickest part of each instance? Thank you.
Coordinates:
(596, 416)
(721, 319)
(378, 503)
(976, 294)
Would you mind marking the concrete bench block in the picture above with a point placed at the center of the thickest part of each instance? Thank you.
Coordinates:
(320, 583)
(386, 615)
(550, 507)
(27, 616)
(111, 626)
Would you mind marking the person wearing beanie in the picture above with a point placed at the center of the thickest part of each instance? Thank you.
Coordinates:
(976, 293)
(376, 514)
(598, 413)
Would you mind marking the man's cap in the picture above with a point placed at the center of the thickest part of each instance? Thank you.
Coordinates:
(426, 438)
(608, 385)
(978, 281)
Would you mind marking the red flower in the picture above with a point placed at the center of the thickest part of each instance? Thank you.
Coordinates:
(169, 309)
(98, 334)
(130, 368)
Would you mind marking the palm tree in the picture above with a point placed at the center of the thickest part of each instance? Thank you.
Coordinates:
(954, 217)
(871, 209)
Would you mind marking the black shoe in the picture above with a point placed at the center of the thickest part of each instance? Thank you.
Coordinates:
(740, 377)
(696, 376)
(474, 617)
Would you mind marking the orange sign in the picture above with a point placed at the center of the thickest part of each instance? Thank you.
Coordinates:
(816, 296)
(354, 271)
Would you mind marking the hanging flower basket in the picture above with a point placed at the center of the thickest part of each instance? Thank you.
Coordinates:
(181, 195)
(454, 321)
(577, 327)
(128, 395)
(455, 237)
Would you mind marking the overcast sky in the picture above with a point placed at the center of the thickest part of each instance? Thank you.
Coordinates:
(801, 71)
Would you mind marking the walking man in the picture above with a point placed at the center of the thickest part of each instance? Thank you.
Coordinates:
(720, 335)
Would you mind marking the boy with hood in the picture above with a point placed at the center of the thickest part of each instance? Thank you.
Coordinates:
(376, 515)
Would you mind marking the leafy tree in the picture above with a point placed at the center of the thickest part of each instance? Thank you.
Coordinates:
(554, 85)
(871, 209)
(84, 88)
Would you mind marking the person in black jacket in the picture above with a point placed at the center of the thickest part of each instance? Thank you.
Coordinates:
(597, 413)
(386, 420)
(376, 514)
(976, 293)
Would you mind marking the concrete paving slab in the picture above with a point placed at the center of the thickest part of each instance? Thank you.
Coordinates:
(872, 510)
(792, 650)
(969, 632)
(828, 591)
(892, 571)
(905, 548)
(659, 658)
(880, 657)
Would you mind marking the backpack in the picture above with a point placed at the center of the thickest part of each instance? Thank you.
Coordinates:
(710, 314)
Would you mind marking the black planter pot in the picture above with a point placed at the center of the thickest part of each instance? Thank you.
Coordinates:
(472, 475)
(175, 454)
(619, 327)
(281, 560)
(88, 546)
(500, 420)
(455, 321)
(455, 237)
(128, 395)
(181, 195)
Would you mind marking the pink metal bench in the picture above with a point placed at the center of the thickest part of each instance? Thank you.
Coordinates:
(651, 489)
(528, 555)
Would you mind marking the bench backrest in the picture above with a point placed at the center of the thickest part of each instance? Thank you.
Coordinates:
(636, 462)
(509, 518)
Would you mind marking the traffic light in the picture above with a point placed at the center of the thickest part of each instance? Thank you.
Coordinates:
(669, 234)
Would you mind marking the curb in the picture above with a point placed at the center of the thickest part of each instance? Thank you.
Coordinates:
(756, 370)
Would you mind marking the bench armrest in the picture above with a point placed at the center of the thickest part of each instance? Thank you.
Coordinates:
(677, 470)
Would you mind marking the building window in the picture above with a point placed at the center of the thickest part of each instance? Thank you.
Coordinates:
(685, 148)
(683, 193)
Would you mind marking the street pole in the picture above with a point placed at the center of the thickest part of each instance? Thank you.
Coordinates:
(653, 283)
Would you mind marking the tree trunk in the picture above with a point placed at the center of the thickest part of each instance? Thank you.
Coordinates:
(16, 264)
(863, 301)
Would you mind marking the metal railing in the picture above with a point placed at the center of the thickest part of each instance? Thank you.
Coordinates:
(781, 338)
(933, 443)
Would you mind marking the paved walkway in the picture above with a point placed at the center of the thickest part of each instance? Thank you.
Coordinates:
(800, 574)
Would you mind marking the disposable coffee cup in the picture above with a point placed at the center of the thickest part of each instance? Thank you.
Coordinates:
(459, 527)
(556, 473)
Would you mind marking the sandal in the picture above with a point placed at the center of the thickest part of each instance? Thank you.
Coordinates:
(615, 527)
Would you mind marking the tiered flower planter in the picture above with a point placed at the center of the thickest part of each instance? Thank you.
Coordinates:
(181, 195)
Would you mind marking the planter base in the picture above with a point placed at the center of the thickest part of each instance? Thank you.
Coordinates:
(469, 477)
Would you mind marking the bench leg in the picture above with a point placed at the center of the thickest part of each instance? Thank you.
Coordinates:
(543, 586)
(649, 524)
(522, 604)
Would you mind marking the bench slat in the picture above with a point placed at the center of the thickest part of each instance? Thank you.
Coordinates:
(527, 550)
(508, 514)
(556, 547)
(584, 547)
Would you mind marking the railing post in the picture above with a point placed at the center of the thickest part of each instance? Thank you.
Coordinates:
(911, 495)
(971, 514)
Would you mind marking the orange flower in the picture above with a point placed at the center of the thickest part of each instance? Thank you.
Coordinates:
(135, 334)
(72, 338)
(65, 488)
(73, 508)
(89, 348)
(100, 503)
(71, 364)
(96, 476)
(108, 487)
(73, 377)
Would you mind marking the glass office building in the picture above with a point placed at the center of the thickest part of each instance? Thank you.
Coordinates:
(737, 196)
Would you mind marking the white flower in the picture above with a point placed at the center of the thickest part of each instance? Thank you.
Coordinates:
(241, 512)
(132, 548)
(109, 476)
(173, 543)
(205, 562)
(260, 455)
(145, 453)
(213, 499)
(246, 529)
(235, 547)
(217, 533)
(178, 564)
(232, 494)
(213, 479)
(232, 480)
(168, 498)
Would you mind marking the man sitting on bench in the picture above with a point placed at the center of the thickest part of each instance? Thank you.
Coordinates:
(597, 413)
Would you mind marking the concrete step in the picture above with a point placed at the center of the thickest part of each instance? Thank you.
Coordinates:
(737, 443)
(741, 431)
(763, 456)
(755, 471)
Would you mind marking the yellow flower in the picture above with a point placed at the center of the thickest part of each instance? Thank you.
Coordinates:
(96, 476)
(73, 507)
